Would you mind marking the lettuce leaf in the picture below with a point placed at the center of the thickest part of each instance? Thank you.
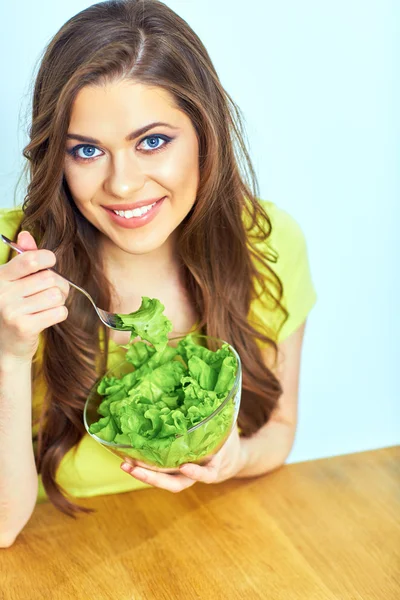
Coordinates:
(170, 391)
(148, 322)
(139, 353)
(205, 375)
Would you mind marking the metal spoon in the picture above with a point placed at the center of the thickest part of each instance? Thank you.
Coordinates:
(108, 318)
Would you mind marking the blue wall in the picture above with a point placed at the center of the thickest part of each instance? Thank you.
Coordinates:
(316, 84)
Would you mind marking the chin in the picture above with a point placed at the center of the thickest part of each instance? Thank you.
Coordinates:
(144, 245)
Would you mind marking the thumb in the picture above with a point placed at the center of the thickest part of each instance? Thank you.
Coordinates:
(26, 241)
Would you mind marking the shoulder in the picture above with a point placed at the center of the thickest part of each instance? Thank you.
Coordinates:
(285, 248)
(286, 231)
(286, 251)
(10, 220)
(286, 240)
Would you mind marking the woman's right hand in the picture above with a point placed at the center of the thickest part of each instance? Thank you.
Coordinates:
(31, 299)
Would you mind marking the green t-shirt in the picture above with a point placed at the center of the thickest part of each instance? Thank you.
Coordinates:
(92, 470)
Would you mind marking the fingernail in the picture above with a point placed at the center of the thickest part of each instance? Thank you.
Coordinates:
(126, 467)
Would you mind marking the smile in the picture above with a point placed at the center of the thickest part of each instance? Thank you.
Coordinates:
(136, 212)
(135, 217)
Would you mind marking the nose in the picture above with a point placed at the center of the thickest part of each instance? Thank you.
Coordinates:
(125, 178)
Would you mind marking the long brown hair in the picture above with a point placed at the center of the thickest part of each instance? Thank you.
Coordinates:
(219, 243)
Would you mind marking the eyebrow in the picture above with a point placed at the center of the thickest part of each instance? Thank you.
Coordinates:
(130, 137)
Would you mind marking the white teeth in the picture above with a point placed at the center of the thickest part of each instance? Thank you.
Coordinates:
(136, 212)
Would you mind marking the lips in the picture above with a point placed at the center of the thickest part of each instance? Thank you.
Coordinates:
(132, 206)
(132, 222)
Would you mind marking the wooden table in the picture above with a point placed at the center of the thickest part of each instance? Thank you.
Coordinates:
(325, 529)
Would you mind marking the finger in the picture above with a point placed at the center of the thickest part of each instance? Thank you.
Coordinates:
(26, 241)
(50, 298)
(35, 324)
(38, 282)
(206, 474)
(37, 303)
(27, 263)
(172, 483)
(47, 318)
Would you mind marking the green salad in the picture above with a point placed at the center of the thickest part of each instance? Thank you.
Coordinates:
(168, 391)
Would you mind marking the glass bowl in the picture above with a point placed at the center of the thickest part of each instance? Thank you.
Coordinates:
(197, 445)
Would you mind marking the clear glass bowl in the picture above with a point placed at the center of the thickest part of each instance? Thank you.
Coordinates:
(198, 445)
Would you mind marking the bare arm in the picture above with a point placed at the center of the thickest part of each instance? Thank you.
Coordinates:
(268, 449)
(239, 457)
(18, 476)
(31, 299)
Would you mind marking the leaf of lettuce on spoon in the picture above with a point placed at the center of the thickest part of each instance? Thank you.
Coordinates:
(148, 322)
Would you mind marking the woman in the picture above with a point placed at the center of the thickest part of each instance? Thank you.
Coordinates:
(140, 185)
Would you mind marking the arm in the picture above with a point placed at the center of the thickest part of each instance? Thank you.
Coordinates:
(18, 476)
(268, 449)
(31, 299)
(239, 457)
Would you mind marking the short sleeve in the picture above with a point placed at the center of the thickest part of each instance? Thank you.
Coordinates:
(10, 220)
(299, 295)
(292, 266)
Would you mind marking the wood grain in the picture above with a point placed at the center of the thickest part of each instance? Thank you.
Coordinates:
(320, 530)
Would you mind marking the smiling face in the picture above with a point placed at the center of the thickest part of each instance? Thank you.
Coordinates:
(119, 157)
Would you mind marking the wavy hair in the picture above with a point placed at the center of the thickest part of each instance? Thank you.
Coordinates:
(222, 241)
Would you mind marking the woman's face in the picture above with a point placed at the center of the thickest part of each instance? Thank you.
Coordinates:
(119, 159)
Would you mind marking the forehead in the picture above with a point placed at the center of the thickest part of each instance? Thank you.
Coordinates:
(116, 108)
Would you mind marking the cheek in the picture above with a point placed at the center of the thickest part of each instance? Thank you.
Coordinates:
(180, 171)
(82, 183)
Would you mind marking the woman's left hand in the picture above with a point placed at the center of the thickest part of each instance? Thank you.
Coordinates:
(227, 463)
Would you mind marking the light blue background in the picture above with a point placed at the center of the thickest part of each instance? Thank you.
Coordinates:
(316, 84)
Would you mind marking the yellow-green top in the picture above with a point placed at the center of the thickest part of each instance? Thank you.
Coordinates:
(90, 469)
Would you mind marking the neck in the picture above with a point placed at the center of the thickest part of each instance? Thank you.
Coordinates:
(135, 275)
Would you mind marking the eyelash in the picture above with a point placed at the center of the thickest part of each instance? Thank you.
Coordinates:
(74, 151)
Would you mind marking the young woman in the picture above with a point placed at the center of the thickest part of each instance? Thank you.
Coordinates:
(140, 185)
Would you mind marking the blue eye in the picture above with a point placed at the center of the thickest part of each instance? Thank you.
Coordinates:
(153, 142)
(88, 151)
